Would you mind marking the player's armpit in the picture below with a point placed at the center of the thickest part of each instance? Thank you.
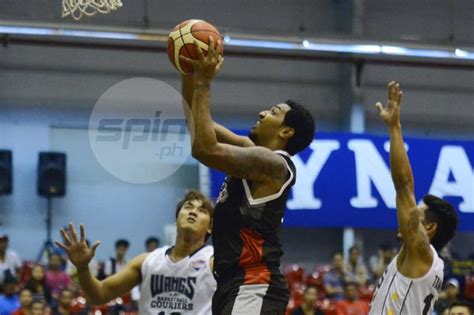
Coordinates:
(256, 163)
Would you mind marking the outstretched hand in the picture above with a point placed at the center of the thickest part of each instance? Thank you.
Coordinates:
(390, 114)
(77, 249)
(207, 66)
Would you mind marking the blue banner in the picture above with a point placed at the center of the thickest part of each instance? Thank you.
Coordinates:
(343, 180)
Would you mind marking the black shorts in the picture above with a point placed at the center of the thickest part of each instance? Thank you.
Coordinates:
(236, 298)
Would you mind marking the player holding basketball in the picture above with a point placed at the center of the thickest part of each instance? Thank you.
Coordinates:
(413, 279)
(249, 211)
(174, 280)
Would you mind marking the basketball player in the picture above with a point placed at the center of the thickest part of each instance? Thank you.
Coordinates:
(249, 211)
(174, 280)
(413, 279)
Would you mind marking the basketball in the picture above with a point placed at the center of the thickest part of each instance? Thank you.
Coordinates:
(181, 42)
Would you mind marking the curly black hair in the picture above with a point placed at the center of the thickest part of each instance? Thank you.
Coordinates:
(301, 120)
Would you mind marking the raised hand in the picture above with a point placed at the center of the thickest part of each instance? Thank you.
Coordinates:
(77, 249)
(207, 66)
(390, 114)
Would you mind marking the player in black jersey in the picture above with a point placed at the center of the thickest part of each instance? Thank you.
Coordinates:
(249, 211)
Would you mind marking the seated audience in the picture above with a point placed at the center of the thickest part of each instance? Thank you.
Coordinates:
(447, 296)
(152, 243)
(309, 305)
(379, 263)
(461, 308)
(351, 305)
(26, 297)
(57, 279)
(355, 268)
(10, 263)
(38, 308)
(9, 300)
(334, 279)
(38, 286)
(64, 306)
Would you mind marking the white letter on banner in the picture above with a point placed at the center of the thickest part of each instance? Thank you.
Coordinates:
(303, 193)
(370, 167)
(453, 159)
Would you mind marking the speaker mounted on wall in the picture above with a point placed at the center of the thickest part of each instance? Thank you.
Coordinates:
(51, 174)
(6, 172)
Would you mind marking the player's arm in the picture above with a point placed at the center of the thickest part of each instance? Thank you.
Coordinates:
(413, 232)
(118, 284)
(253, 163)
(223, 134)
(99, 292)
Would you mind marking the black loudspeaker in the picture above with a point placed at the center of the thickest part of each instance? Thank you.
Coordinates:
(51, 174)
(6, 172)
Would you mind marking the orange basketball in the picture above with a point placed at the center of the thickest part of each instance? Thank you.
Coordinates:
(181, 42)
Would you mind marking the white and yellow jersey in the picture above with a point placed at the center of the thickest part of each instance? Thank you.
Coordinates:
(177, 288)
(397, 294)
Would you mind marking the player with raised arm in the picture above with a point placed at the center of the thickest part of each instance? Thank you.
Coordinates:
(174, 280)
(250, 207)
(411, 282)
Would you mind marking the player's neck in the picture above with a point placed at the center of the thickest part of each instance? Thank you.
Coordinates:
(185, 246)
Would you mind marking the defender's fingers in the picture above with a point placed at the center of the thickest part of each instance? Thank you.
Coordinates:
(61, 245)
(73, 232)
(83, 233)
(379, 107)
(66, 237)
(399, 97)
(94, 247)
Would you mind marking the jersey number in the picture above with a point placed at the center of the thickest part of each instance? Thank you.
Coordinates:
(427, 301)
(172, 313)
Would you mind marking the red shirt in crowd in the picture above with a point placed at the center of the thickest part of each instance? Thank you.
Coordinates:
(18, 312)
(346, 307)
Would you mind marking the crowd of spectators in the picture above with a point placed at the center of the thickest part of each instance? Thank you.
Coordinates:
(52, 287)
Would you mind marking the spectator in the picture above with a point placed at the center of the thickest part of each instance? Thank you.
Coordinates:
(10, 263)
(9, 300)
(351, 305)
(38, 286)
(152, 243)
(334, 279)
(26, 298)
(114, 265)
(64, 306)
(355, 268)
(57, 279)
(447, 296)
(38, 308)
(379, 263)
(308, 307)
(117, 263)
(461, 308)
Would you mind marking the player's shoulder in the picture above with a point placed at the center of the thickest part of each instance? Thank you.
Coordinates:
(158, 253)
(206, 250)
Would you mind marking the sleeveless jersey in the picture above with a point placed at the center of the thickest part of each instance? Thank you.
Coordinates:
(245, 231)
(184, 287)
(397, 294)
